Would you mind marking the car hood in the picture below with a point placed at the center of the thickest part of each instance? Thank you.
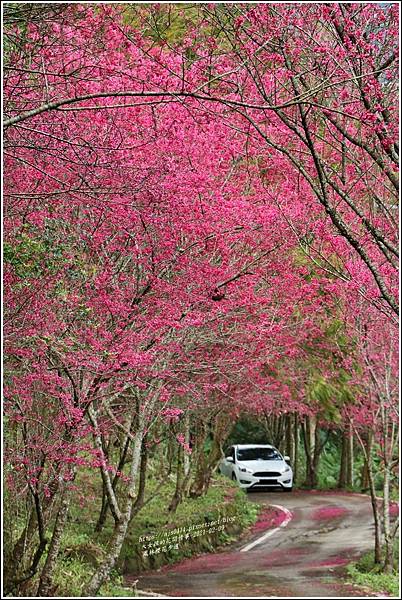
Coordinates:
(263, 465)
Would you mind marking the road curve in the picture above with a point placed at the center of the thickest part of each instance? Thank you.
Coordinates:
(306, 558)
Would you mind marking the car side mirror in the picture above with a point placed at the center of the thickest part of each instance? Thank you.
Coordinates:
(229, 458)
(286, 459)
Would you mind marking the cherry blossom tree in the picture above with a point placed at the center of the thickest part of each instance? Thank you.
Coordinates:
(184, 215)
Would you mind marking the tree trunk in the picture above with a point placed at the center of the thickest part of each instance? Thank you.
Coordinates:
(389, 441)
(344, 463)
(316, 455)
(177, 496)
(376, 515)
(198, 484)
(170, 453)
(103, 511)
(218, 426)
(103, 457)
(139, 501)
(105, 503)
(120, 530)
(187, 456)
(350, 457)
(16, 560)
(309, 438)
(346, 469)
(295, 465)
(388, 541)
(276, 431)
(290, 439)
(45, 582)
(365, 483)
(367, 450)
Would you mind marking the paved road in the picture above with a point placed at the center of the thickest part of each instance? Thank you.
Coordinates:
(306, 558)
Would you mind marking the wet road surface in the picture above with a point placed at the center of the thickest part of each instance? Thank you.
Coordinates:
(305, 558)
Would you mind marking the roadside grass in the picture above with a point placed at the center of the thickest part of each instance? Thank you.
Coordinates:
(83, 548)
(366, 573)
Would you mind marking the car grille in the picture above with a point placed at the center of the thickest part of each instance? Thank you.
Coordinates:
(266, 483)
(267, 474)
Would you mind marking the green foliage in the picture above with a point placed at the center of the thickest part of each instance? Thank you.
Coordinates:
(168, 25)
(247, 430)
(330, 394)
(378, 582)
(328, 471)
(74, 573)
(367, 573)
(163, 23)
(32, 252)
(325, 353)
(116, 588)
(155, 518)
(329, 466)
(82, 548)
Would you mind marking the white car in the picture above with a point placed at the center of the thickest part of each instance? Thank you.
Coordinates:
(257, 466)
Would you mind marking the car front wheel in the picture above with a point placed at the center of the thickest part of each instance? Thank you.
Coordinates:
(287, 489)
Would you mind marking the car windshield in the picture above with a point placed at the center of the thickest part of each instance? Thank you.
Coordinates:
(258, 454)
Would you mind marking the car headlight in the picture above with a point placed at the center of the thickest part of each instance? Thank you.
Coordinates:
(286, 470)
(245, 470)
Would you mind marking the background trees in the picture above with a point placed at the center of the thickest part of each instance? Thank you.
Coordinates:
(200, 222)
